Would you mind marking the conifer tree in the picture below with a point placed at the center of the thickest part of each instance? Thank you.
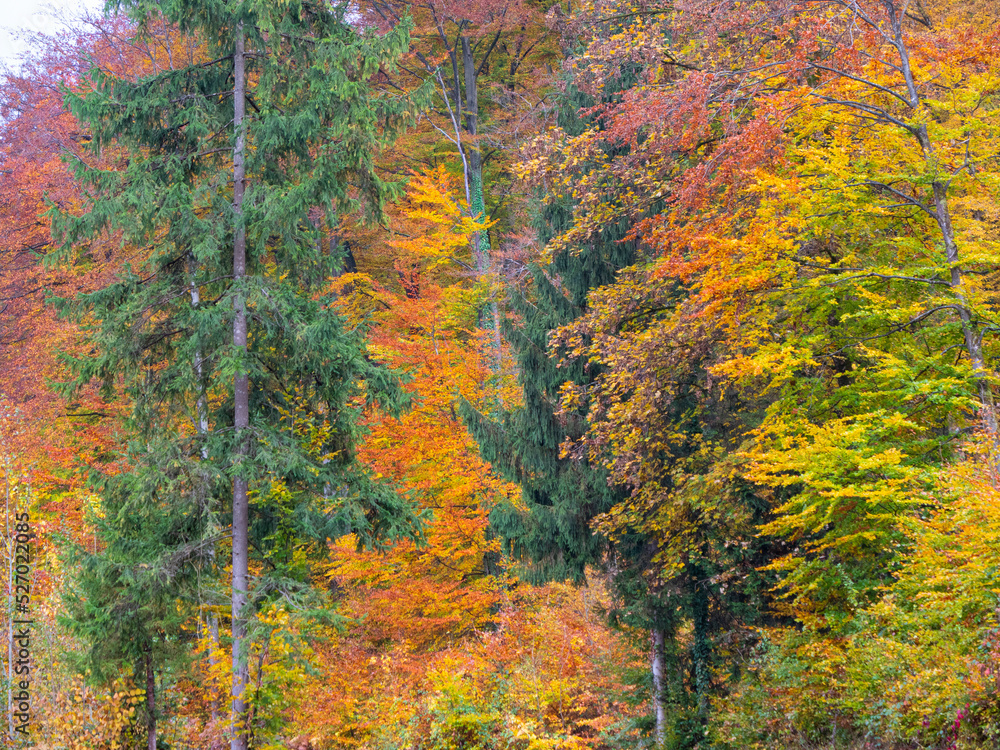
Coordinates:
(553, 538)
(129, 601)
(241, 378)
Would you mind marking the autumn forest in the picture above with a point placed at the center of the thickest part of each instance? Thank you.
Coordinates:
(488, 374)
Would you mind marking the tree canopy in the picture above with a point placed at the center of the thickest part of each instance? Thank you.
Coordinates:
(518, 374)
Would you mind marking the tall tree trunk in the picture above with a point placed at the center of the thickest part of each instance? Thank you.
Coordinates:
(973, 341)
(150, 700)
(942, 214)
(213, 635)
(241, 393)
(477, 201)
(202, 429)
(472, 110)
(202, 403)
(477, 204)
(658, 666)
(702, 649)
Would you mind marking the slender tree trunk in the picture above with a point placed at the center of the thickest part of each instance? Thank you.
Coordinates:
(454, 69)
(150, 700)
(241, 389)
(657, 665)
(702, 650)
(973, 343)
(202, 429)
(213, 635)
(477, 201)
(942, 210)
(475, 160)
(202, 404)
(472, 108)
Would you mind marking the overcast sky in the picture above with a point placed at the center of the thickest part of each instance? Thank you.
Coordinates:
(34, 15)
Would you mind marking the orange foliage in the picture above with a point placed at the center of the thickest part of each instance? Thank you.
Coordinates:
(429, 593)
(35, 134)
(436, 618)
(546, 674)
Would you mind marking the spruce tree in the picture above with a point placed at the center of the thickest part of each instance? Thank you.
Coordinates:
(552, 539)
(240, 375)
(131, 600)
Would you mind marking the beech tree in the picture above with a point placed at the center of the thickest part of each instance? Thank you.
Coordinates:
(241, 379)
(822, 255)
(476, 56)
(459, 47)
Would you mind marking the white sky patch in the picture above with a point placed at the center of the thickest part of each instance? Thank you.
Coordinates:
(20, 18)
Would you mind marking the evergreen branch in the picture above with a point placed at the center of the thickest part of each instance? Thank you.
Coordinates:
(184, 292)
(152, 341)
(188, 97)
